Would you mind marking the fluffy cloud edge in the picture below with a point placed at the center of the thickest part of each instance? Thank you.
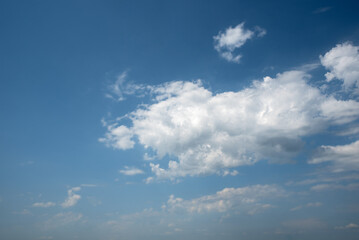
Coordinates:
(233, 38)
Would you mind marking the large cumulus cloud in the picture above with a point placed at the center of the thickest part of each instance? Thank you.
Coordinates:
(206, 133)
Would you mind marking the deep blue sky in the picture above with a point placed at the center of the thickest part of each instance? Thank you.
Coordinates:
(70, 69)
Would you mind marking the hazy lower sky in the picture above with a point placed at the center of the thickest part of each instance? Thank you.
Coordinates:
(179, 120)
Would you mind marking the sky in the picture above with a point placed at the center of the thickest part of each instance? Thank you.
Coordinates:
(179, 120)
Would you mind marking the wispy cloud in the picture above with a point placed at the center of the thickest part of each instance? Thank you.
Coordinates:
(121, 88)
(322, 10)
(229, 199)
(333, 186)
(62, 219)
(348, 226)
(308, 205)
(235, 37)
(44, 204)
(343, 157)
(130, 171)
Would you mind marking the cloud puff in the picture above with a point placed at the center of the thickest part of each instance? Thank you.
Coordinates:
(119, 137)
(233, 38)
(342, 62)
(344, 157)
(229, 199)
(130, 171)
(203, 133)
(72, 197)
(44, 204)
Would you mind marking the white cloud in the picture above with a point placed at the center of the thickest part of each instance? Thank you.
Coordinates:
(203, 133)
(231, 173)
(344, 157)
(72, 197)
(342, 62)
(44, 204)
(119, 137)
(233, 38)
(349, 226)
(130, 171)
(229, 199)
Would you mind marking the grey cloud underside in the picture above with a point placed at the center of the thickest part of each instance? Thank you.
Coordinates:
(343, 157)
(206, 133)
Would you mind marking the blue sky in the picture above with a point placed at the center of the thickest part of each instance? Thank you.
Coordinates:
(179, 119)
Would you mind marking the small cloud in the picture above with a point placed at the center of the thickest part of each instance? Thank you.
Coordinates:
(72, 197)
(349, 226)
(149, 180)
(130, 171)
(233, 38)
(119, 137)
(44, 204)
(231, 173)
(311, 204)
(342, 61)
(115, 89)
(296, 208)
